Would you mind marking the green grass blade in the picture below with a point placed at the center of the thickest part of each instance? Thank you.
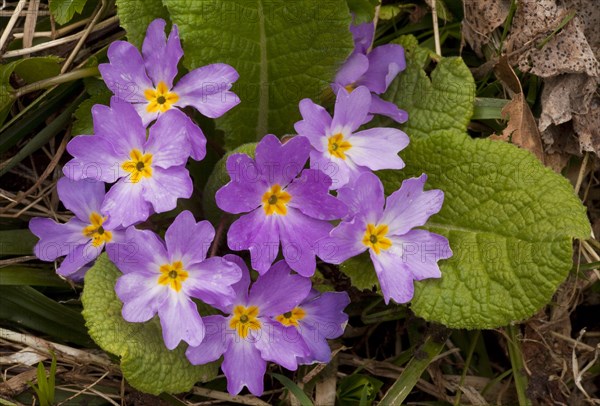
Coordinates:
(17, 242)
(294, 389)
(432, 346)
(487, 108)
(30, 276)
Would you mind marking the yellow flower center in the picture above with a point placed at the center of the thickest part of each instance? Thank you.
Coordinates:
(337, 146)
(160, 99)
(96, 232)
(140, 165)
(173, 275)
(375, 238)
(291, 318)
(274, 200)
(349, 88)
(245, 319)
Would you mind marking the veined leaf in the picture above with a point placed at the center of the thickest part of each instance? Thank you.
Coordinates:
(64, 10)
(136, 15)
(284, 51)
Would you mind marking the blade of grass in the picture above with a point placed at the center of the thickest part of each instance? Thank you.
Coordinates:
(37, 142)
(32, 309)
(294, 389)
(433, 345)
(17, 242)
(518, 366)
(564, 22)
(487, 108)
(30, 276)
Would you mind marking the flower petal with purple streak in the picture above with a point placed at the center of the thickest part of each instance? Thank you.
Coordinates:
(125, 75)
(161, 55)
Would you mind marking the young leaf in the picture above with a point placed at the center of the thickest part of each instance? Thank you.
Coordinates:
(145, 361)
(135, 15)
(283, 50)
(64, 10)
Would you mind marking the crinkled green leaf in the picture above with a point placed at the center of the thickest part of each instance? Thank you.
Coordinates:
(434, 104)
(64, 10)
(135, 15)
(145, 361)
(363, 10)
(510, 222)
(284, 51)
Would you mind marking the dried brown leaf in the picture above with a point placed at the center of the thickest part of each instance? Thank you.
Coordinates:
(481, 19)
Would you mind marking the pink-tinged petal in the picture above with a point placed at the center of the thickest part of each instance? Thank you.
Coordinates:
(351, 110)
(377, 148)
(141, 295)
(315, 122)
(166, 186)
(343, 242)
(56, 240)
(212, 280)
(243, 366)
(278, 291)
(299, 237)
(81, 197)
(385, 62)
(207, 89)
(257, 233)
(337, 169)
(354, 67)
(281, 163)
(366, 197)
(188, 241)
(215, 343)
(388, 109)
(245, 191)
(196, 139)
(180, 321)
(94, 159)
(168, 141)
(142, 251)
(147, 117)
(363, 35)
(421, 250)
(161, 56)
(279, 344)
(125, 204)
(411, 206)
(241, 287)
(310, 195)
(125, 75)
(325, 313)
(395, 279)
(120, 125)
(78, 257)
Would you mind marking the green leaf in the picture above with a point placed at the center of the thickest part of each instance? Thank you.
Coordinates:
(358, 389)
(64, 10)
(510, 222)
(39, 68)
(145, 361)
(136, 15)
(361, 271)
(436, 104)
(294, 389)
(22, 275)
(217, 179)
(83, 115)
(17, 242)
(487, 108)
(364, 10)
(283, 50)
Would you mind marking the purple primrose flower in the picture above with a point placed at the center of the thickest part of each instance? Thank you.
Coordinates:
(399, 252)
(84, 236)
(338, 149)
(146, 79)
(317, 318)
(163, 277)
(248, 336)
(151, 172)
(375, 69)
(281, 207)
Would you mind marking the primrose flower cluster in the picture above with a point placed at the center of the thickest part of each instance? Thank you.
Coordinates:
(284, 201)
